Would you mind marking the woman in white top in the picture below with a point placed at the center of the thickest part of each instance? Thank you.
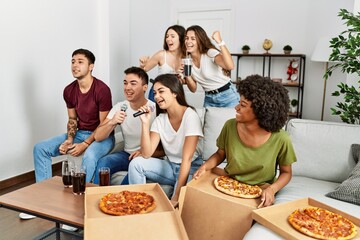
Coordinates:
(168, 59)
(208, 65)
(178, 127)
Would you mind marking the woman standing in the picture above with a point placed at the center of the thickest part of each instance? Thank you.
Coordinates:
(168, 59)
(178, 127)
(208, 65)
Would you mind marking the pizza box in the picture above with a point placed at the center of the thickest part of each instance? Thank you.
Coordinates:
(163, 222)
(275, 217)
(210, 214)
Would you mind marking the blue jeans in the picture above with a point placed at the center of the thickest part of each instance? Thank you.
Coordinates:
(45, 150)
(158, 170)
(117, 161)
(151, 93)
(227, 98)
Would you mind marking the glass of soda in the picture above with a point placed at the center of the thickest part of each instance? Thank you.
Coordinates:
(187, 66)
(79, 180)
(104, 176)
(66, 173)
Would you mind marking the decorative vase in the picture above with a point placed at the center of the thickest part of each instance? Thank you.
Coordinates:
(287, 52)
(245, 51)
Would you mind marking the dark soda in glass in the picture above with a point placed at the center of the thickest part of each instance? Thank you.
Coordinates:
(187, 70)
(67, 180)
(104, 178)
(79, 183)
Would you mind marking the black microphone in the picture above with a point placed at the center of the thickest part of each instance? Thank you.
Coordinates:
(138, 113)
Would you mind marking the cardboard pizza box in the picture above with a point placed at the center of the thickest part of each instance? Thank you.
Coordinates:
(275, 217)
(163, 222)
(210, 214)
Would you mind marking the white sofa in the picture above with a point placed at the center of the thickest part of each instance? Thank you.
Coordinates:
(324, 160)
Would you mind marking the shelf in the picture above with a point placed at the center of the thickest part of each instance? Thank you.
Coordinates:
(290, 84)
(267, 59)
(267, 55)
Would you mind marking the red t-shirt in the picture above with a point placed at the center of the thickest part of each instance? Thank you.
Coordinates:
(88, 105)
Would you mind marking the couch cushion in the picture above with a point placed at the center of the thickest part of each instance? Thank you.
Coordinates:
(355, 149)
(323, 148)
(215, 119)
(349, 190)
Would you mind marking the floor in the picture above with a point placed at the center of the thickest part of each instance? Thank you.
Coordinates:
(12, 227)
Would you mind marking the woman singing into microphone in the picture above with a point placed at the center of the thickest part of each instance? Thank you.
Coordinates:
(178, 127)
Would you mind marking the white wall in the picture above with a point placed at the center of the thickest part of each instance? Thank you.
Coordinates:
(37, 40)
(38, 37)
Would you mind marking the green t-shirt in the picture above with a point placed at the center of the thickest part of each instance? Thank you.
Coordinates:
(254, 165)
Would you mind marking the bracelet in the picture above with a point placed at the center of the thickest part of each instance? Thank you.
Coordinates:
(86, 143)
(222, 43)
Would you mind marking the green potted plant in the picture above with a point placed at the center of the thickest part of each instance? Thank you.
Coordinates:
(287, 49)
(245, 49)
(345, 54)
(294, 102)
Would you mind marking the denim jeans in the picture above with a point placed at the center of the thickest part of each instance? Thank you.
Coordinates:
(117, 161)
(151, 93)
(158, 170)
(227, 98)
(45, 150)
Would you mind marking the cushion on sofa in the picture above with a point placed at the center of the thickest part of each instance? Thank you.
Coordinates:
(323, 148)
(355, 149)
(349, 190)
(215, 119)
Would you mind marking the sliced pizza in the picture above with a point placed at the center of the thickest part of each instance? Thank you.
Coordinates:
(235, 188)
(322, 224)
(126, 203)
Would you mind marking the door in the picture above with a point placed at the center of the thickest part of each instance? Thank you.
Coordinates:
(210, 20)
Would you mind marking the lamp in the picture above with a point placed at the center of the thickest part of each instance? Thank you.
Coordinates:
(322, 53)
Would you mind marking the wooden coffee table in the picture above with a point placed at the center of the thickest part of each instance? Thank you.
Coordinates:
(49, 200)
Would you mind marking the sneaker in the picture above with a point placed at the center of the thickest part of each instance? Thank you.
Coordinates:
(69, 228)
(26, 216)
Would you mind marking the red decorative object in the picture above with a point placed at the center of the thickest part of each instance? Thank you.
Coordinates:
(292, 69)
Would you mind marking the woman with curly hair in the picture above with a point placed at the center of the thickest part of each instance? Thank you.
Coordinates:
(254, 143)
(208, 66)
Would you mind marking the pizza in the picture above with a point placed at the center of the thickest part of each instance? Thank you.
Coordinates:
(235, 188)
(126, 203)
(322, 224)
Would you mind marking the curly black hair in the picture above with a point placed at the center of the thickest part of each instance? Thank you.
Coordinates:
(269, 101)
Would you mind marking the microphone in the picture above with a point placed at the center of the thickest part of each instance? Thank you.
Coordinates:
(123, 107)
(138, 113)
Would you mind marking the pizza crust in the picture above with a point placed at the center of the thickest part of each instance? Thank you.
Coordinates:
(127, 203)
(317, 222)
(235, 188)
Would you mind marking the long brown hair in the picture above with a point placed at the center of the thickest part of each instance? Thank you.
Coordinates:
(180, 30)
(172, 82)
(202, 39)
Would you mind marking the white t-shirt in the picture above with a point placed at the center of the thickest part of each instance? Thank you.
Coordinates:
(209, 75)
(173, 141)
(131, 127)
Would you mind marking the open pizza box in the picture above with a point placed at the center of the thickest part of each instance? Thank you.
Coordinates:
(163, 222)
(210, 214)
(275, 217)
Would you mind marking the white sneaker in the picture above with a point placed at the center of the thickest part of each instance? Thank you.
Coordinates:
(26, 216)
(69, 228)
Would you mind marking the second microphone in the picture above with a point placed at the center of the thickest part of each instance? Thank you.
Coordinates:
(138, 113)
